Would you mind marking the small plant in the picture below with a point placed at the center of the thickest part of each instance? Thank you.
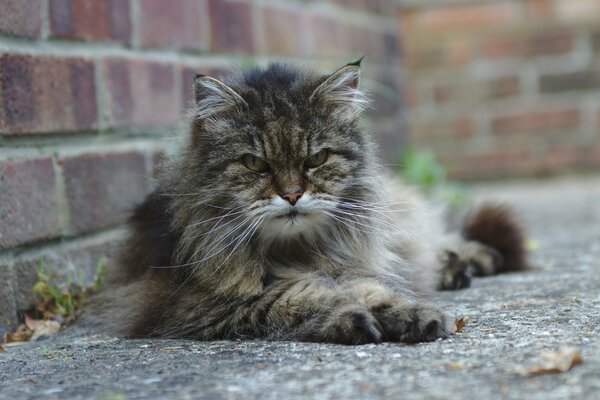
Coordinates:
(60, 299)
(421, 168)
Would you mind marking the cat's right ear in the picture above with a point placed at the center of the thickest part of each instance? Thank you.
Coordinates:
(212, 96)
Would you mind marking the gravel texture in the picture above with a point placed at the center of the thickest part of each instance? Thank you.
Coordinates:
(512, 319)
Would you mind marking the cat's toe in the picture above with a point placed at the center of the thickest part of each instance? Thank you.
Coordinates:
(484, 260)
(455, 274)
(351, 325)
(412, 323)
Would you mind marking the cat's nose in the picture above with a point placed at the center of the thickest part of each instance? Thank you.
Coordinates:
(292, 197)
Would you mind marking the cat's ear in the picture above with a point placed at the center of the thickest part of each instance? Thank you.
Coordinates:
(341, 89)
(212, 96)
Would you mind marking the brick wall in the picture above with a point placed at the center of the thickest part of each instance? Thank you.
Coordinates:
(88, 88)
(504, 88)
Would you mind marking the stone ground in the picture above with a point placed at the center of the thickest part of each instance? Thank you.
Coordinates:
(513, 318)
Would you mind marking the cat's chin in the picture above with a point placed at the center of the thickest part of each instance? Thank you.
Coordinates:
(292, 225)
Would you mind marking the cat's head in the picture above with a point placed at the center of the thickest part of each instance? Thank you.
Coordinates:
(282, 147)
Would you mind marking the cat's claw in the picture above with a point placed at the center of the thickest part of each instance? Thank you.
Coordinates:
(411, 323)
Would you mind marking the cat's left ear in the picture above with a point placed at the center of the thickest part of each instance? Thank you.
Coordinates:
(341, 89)
(211, 96)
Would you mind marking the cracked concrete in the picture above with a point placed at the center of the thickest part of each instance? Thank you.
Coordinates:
(512, 318)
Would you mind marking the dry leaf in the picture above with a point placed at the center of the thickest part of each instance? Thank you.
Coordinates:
(22, 334)
(555, 361)
(454, 365)
(41, 327)
(460, 323)
(2, 349)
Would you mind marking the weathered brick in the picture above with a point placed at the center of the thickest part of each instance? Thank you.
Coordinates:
(42, 94)
(492, 164)
(582, 80)
(504, 86)
(90, 20)
(542, 43)
(461, 17)
(596, 41)
(576, 11)
(8, 309)
(374, 6)
(20, 18)
(101, 189)
(385, 93)
(231, 26)
(536, 121)
(280, 31)
(141, 93)
(177, 24)
(29, 206)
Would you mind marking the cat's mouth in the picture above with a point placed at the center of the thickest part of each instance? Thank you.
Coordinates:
(292, 215)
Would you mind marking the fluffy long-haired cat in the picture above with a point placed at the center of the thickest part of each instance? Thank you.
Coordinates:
(274, 220)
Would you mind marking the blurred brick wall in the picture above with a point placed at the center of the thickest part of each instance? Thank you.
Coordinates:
(88, 88)
(504, 88)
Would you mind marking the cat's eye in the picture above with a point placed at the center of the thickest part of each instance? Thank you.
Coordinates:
(317, 159)
(254, 163)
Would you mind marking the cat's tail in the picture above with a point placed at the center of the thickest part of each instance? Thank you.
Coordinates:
(496, 226)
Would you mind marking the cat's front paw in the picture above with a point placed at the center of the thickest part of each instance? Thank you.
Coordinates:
(351, 325)
(411, 323)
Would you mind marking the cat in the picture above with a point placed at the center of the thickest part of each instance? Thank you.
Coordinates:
(274, 220)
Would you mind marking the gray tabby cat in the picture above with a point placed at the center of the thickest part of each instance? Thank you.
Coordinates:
(274, 220)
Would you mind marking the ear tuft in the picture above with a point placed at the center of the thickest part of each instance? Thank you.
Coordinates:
(341, 90)
(212, 96)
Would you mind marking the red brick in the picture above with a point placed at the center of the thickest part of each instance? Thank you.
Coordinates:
(480, 16)
(504, 87)
(20, 18)
(231, 26)
(280, 31)
(101, 189)
(541, 10)
(592, 156)
(378, 47)
(411, 95)
(536, 121)
(557, 159)
(90, 20)
(178, 24)
(539, 44)
(442, 93)
(458, 127)
(46, 94)
(141, 93)
(330, 37)
(493, 164)
(440, 53)
(29, 206)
